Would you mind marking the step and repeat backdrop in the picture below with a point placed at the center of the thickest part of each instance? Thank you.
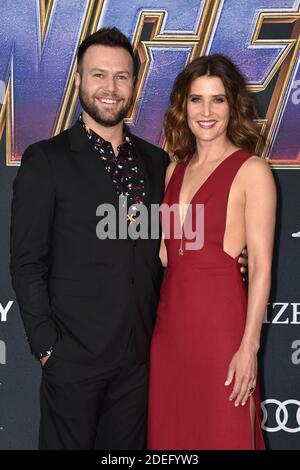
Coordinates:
(38, 42)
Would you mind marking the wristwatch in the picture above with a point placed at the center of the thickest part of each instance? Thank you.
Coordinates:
(41, 354)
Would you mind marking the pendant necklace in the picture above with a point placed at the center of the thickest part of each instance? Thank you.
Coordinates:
(180, 250)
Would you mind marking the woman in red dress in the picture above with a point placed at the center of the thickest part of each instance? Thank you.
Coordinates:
(204, 391)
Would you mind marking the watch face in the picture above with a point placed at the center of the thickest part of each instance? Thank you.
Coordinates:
(42, 354)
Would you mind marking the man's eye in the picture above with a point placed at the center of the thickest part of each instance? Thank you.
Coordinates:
(122, 77)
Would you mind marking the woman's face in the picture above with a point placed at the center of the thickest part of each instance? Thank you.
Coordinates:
(207, 108)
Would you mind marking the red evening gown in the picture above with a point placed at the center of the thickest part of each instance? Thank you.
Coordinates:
(200, 323)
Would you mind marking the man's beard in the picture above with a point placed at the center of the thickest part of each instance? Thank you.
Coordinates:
(92, 110)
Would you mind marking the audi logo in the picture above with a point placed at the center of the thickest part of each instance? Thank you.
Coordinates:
(281, 417)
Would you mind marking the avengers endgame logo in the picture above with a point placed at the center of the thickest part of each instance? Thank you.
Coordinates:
(39, 39)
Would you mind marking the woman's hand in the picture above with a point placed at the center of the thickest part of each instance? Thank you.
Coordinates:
(243, 369)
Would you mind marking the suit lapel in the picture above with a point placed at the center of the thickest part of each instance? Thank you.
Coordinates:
(89, 161)
(93, 166)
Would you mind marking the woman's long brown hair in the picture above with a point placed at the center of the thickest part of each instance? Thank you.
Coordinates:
(242, 129)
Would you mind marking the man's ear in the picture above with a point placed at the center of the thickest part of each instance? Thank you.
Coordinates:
(77, 79)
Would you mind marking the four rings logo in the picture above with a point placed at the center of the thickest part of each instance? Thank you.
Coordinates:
(281, 416)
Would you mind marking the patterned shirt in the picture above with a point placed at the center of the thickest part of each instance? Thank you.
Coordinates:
(124, 169)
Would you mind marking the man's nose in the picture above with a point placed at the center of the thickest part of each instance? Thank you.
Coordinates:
(110, 84)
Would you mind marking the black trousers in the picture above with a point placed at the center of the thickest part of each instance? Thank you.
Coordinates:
(84, 408)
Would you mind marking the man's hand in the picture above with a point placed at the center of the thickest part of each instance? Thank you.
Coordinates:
(44, 360)
(243, 260)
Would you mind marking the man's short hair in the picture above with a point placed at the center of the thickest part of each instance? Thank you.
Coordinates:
(110, 37)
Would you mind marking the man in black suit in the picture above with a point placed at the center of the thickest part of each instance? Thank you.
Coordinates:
(88, 304)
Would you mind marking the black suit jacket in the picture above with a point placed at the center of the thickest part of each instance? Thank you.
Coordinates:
(87, 297)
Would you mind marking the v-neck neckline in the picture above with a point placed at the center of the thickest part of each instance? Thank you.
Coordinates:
(202, 185)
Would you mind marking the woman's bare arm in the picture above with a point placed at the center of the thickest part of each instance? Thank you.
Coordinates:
(260, 213)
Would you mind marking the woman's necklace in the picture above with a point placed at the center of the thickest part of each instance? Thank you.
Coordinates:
(181, 212)
(180, 250)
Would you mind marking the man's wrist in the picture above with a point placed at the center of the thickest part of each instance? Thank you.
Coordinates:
(39, 355)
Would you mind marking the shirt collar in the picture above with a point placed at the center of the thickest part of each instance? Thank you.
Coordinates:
(94, 136)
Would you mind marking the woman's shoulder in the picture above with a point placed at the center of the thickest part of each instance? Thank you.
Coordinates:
(255, 171)
(255, 165)
(254, 161)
